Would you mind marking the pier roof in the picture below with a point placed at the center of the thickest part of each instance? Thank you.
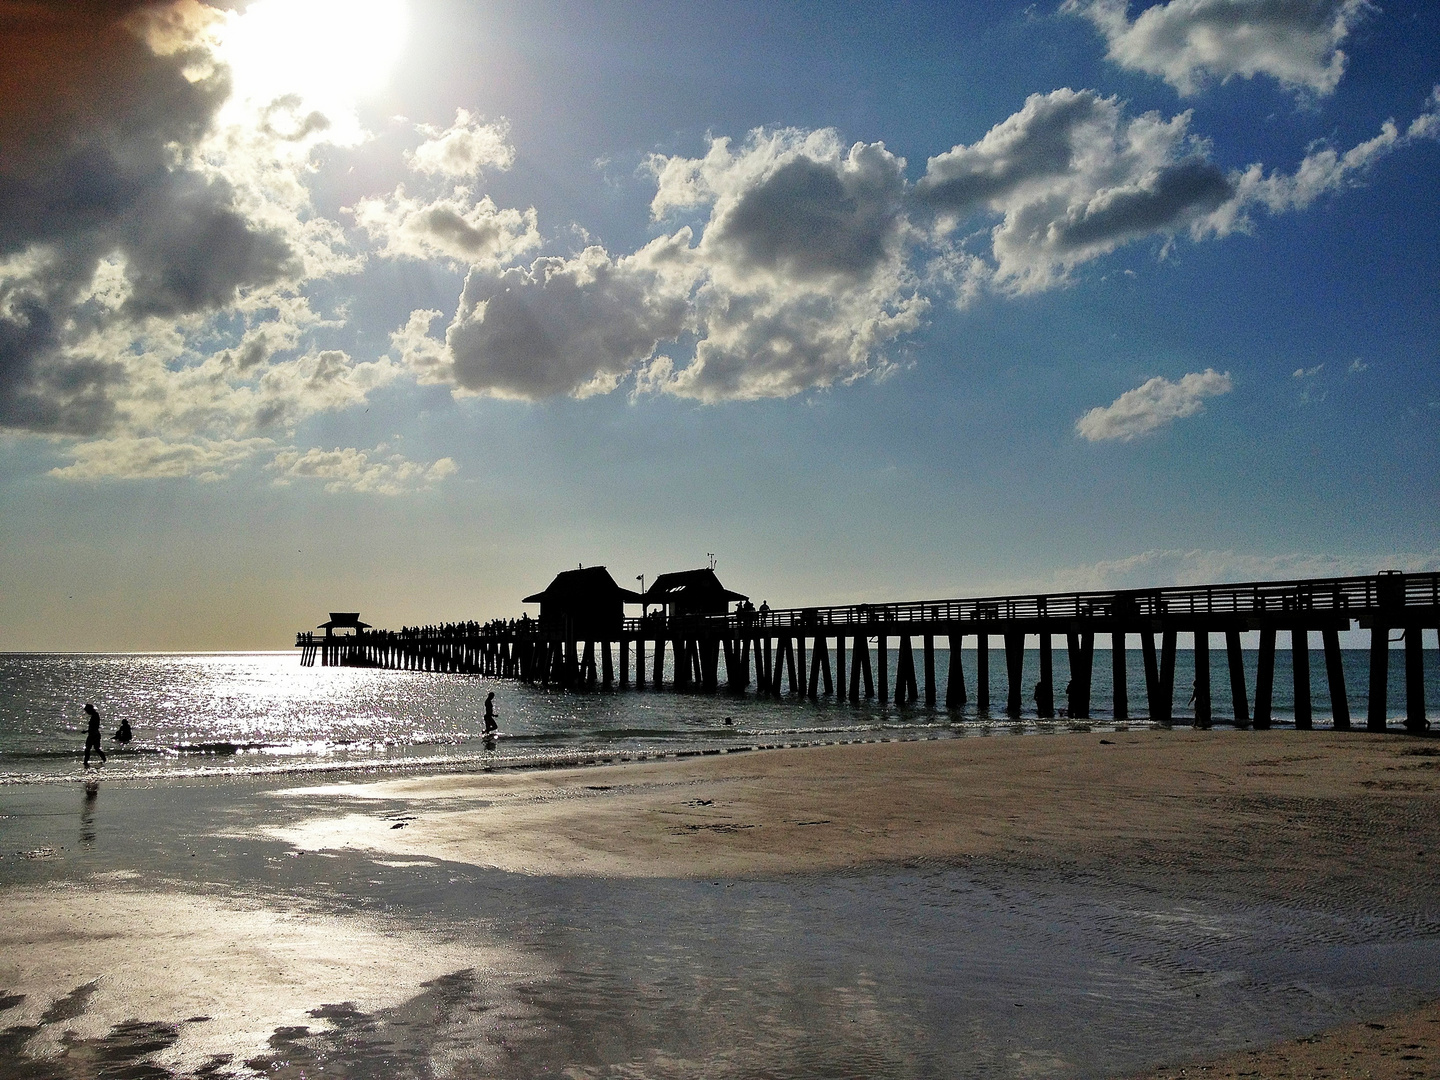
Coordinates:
(584, 583)
(692, 592)
(344, 620)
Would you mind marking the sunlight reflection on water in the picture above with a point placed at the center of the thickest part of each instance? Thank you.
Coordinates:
(252, 712)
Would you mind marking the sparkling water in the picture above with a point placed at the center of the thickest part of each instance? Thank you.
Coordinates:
(229, 712)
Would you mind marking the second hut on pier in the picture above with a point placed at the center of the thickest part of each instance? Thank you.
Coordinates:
(584, 604)
(691, 592)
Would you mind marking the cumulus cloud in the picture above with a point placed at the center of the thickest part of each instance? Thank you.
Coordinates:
(567, 326)
(1152, 405)
(794, 274)
(352, 470)
(1190, 42)
(156, 234)
(464, 149)
(457, 227)
(102, 109)
(1072, 179)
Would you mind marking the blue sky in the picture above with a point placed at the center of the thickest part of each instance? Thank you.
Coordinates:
(406, 306)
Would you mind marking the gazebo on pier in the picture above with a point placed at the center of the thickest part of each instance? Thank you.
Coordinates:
(584, 604)
(691, 592)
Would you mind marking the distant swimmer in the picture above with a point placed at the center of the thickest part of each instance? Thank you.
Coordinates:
(490, 724)
(92, 735)
(122, 735)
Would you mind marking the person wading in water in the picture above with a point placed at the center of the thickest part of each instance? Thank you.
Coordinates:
(92, 735)
(490, 724)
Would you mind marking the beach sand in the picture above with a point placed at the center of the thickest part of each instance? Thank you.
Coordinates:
(1346, 826)
(1271, 812)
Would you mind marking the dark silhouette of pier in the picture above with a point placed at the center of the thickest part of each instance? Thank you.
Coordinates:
(582, 641)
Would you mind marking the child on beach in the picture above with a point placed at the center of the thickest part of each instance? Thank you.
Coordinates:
(122, 734)
(92, 735)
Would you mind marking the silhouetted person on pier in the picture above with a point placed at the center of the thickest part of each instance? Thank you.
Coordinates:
(490, 724)
(92, 735)
(764, 612)
(122, 734)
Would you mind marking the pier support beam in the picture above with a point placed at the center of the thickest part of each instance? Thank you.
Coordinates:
(930, 696)
(1300, 664)
(1265, 679)
(955, 682)
(1335, 676)
(906, 690)
(1167, 675)
(1152, 673)
(1081, 648)
(1379, 678)
(1202, 679)
(1120, 687)
(1238, 698)
(982, 672)
(1015, 671)
(1045, 688)
(1415, 721)
(882, 666)
(840, 684)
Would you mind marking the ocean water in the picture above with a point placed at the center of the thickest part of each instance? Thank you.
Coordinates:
(208, 713)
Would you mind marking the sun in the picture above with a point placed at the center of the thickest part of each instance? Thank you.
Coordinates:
(331, 53)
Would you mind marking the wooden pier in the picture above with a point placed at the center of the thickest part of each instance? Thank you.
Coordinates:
(809, 652)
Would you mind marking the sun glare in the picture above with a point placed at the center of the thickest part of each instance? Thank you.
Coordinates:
(330, 52)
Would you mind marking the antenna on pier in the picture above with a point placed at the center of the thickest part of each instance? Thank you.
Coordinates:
(712, 559)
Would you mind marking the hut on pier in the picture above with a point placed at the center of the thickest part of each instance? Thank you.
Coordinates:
(343, 620)
(584, 604)
(691, 592)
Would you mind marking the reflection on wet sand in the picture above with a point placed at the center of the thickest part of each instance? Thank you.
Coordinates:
(1104, 907)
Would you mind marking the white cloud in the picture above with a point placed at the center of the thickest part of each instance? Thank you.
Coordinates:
(464, 149)
(1072, 179)
(1152, 405)
(1189, 42)
(1357, 365)
(352, 470)
(1323, 171)
(1307, 373)
(422, 354)
(457, 227)
(149, 457)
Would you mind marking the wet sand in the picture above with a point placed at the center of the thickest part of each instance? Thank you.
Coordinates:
(1397, 1047)
(1269, 811)
(1224, 888)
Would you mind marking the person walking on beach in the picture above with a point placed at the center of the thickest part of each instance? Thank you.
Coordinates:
(92, 735)
(490, 724)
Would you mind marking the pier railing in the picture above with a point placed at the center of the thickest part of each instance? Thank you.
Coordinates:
(1349, 596)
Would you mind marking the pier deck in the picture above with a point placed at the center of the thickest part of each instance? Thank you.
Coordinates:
(770, 649)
